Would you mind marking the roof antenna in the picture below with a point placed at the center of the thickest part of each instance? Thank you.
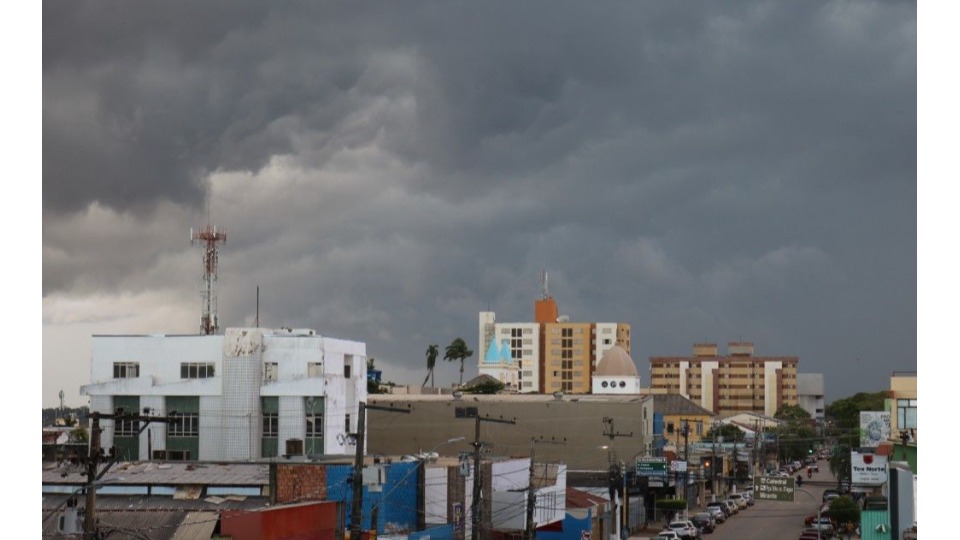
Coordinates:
(258, 307)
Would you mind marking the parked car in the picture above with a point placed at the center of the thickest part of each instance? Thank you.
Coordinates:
(739, 499)
(685, 528)
(823, 524)
(828, 492)
(717, 513)
(722, 506)
(704, 521)
(734, 507)
(666, 535)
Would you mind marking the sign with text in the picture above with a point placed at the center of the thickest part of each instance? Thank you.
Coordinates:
(868, 469)
(678, 466)
(773, 488)
(651, 467)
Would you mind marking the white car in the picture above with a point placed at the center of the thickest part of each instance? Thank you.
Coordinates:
(739, 499)
(666, 535)
(684, 528)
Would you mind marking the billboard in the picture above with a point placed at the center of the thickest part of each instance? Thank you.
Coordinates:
(868, 468)
(874, 428)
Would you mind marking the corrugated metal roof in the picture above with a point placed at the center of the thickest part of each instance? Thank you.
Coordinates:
(167, 473)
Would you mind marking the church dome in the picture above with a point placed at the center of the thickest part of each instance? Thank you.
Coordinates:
(615, 362)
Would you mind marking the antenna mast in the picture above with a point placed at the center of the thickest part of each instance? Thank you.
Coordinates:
(544, 285)
(208, 238)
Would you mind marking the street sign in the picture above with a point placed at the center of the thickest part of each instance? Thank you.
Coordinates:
(651, 467)
(773, 488)
(678, 466)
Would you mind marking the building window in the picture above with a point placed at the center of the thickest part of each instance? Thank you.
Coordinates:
(346, 370)
(184, 425)
(127, 428)
(271, 371)
(314, 425)
(346, 423)
(906, 413)
(126, 370)
(604, 384)
(623, 384)
(196, 370)
(315, 370)
(271, 425)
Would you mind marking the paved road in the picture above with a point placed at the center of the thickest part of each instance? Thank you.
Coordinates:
(775, 520)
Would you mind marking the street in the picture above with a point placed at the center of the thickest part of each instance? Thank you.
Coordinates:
(776, 520)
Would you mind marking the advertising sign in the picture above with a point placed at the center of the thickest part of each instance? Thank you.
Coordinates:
(868, 469)
(874, 428)
(773, 488)
(651, 467)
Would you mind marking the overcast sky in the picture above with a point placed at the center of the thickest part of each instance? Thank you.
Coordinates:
(703, 171)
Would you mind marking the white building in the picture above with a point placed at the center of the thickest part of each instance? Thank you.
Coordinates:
(510, 352)
(810, 391)
(616, 373)
(238, 396)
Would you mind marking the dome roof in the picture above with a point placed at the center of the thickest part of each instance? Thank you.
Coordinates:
(615, 362)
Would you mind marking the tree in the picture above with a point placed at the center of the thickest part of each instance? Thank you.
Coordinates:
(845, 412)
(792, 413)
(79, 435)
(844, 510)
(432, 352)
(840, 465)
(458, 350)
(486, 387)
(729, 432)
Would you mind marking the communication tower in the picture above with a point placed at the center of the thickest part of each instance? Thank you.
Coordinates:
(209, 238)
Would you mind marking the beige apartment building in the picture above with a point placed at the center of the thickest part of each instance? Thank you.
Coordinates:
(738, 382)
(550, 354)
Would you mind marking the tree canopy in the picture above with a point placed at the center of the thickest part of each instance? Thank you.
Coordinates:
(458, 350)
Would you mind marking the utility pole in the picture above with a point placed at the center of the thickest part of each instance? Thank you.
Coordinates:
(615, 482)
(476, 507)
(96, 455)
(531, 528)
(356, 512)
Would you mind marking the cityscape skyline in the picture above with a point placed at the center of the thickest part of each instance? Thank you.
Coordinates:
(703, 173)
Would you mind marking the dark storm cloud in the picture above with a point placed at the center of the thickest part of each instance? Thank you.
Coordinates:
(701, 171)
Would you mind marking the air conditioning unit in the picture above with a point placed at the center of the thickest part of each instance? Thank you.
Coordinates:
(294, 447)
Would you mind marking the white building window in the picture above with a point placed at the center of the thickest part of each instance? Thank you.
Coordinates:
(184, 425)
(127, 428)
(196, 370)
(126, 370)
(271, 371)
(315, 370)
(906, 413)
(271, 424)
(314, 425)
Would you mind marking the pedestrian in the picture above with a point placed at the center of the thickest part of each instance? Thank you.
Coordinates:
(849, 530)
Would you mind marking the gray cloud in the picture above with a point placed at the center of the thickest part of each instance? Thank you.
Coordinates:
(720, 171)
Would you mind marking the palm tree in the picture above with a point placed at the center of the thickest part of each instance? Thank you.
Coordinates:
(458, 350)
(432, 352)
